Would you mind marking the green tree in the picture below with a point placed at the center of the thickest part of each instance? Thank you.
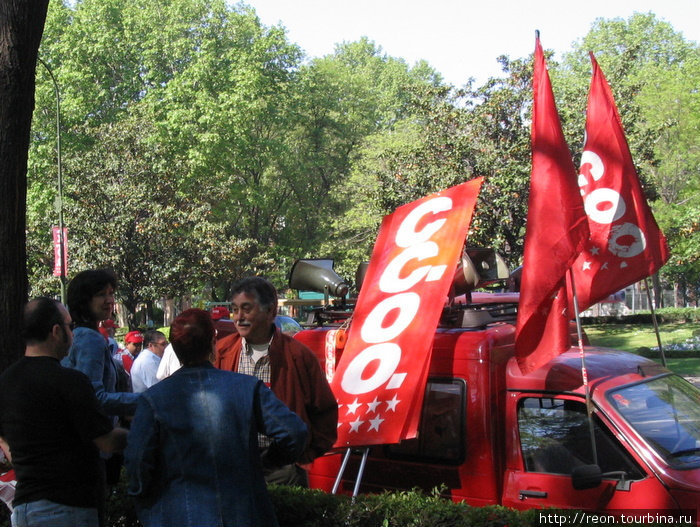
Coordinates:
(208, 92)
(343, 99)
(228, 113)
(501, 135)
(654, 73)
(445, 137)
(141, 219)
(632, 53)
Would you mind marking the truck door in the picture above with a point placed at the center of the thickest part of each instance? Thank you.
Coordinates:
(553, 436)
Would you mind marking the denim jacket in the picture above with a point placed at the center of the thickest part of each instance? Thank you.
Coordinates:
(90, 354)
(192, 457)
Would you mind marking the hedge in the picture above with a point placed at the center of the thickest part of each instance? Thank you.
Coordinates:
(297, 507)
(666, 314)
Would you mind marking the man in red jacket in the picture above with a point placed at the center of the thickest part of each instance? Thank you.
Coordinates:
(287, 366)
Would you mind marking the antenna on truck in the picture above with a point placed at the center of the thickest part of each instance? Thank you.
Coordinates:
(584, 370)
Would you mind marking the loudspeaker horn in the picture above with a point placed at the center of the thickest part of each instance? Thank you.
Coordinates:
(478, 267)
(317, 275)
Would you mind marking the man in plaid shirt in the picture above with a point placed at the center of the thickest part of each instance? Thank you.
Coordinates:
(287, 366)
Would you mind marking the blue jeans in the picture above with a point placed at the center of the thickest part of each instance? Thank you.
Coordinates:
(45, 513)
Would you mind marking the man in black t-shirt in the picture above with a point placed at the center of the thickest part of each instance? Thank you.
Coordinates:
(54, 426)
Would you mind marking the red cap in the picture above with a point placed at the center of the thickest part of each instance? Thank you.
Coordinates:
(219, 312)
(109, 323)
(134, 336)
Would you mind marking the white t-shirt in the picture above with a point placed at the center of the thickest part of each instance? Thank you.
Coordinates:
(169, 364)
(143, 371)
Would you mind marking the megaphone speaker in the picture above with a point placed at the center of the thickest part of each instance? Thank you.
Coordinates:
(317, 275)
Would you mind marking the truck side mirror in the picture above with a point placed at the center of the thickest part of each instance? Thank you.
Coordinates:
(586, 477)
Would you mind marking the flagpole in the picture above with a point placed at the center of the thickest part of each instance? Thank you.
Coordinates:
(656, 324)
(584, 370)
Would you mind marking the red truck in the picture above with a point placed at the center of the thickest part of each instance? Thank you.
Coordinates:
(490, 435)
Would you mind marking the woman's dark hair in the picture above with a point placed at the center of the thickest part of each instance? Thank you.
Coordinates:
(39, 317)
(81, 289)
(191, 335)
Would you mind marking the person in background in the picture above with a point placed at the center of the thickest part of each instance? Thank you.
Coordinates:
(290, 369)
(90, 299)
(107, 329)
(53, 424)
(133, 343)
(8, 479)
(169, 363)
(213, 416)
(223, 326)
(143, 371)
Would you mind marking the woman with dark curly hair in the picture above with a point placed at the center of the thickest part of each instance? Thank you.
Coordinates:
(90, 299)
(192, 456)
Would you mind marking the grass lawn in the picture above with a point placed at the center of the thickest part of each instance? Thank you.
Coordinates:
(630, 337)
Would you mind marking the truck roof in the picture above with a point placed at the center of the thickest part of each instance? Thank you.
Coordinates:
(563, 373)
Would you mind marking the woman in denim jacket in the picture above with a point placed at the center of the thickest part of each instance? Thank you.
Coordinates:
(192, 456)
(90, 300)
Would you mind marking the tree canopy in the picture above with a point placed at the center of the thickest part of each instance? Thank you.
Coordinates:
(202, 146)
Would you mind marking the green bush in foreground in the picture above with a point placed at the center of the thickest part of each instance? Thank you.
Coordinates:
(314, 508)
(311, 508)
(297, 507)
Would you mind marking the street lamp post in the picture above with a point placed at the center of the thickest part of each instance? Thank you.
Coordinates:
(59, 199)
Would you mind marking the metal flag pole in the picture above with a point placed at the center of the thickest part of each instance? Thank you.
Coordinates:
(360, 472)
(653, 318)
(59, 197)
(584, 370)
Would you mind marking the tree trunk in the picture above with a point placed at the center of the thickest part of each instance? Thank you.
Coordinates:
(169, 311)
(122, 314)
(21, 27)
(658, 291)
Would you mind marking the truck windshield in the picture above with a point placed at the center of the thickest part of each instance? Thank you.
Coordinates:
(666, 412)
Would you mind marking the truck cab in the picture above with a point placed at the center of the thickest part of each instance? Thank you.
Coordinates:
(490, 435)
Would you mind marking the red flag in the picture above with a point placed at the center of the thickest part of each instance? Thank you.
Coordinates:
(380, 378)
(60, 241)
(556, 232)
(626, 244)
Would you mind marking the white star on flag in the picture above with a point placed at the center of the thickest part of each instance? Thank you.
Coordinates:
(391, 405)
(375, 423)
(594, 250)
(586, 266)
(604, 266)
(373, 405)
(623, 265)
(352, 407)
(355, 425)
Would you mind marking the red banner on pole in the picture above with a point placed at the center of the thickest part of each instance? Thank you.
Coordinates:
(626, 244)
(60, 265)
(381, 376)
(555, 234)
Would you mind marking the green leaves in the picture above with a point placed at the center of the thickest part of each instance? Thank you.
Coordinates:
(196, 142)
